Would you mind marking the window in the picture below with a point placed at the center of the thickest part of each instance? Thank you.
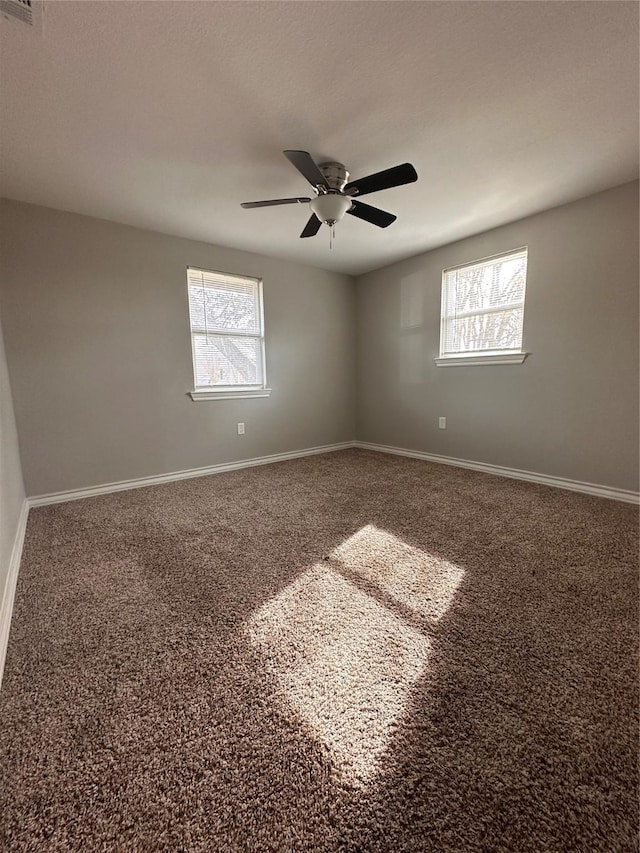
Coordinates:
(483, 311)
(227, 335)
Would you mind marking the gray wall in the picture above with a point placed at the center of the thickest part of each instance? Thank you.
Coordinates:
(97, 339)
(571, 410)
(11, 487)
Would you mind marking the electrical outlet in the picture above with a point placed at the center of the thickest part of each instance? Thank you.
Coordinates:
(240, 429)
(442, 423)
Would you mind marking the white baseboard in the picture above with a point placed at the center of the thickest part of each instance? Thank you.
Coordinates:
(123, 485)
(498, 470)
(512, 473)
(6, 605)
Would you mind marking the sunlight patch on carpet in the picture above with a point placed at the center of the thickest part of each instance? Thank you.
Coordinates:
(345, 663)
(424, 583)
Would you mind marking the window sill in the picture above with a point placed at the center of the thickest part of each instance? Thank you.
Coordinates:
(228, 394)
(478, 360)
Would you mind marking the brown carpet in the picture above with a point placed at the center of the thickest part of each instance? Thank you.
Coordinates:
(349, 652)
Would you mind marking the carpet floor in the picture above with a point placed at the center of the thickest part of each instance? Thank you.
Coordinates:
(347, 652)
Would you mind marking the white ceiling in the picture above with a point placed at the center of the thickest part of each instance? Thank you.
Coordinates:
(166, 115)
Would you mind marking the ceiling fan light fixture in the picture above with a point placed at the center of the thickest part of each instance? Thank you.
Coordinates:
(330, 207)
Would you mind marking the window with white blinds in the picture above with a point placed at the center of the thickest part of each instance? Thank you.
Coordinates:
(227, 331)
(483, 307)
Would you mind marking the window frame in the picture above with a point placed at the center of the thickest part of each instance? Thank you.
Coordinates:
(229, 391)
(480, 357)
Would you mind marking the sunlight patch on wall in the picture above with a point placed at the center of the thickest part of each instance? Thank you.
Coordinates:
(346, 664)
(422, 582)
(412, 290)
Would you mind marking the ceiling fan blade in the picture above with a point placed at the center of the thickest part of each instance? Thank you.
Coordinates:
(372, 214)
(312, 227)
(395, 177)
(304, 163)
(273, 201)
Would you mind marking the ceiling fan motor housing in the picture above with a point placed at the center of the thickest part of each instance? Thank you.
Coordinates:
(335, 174)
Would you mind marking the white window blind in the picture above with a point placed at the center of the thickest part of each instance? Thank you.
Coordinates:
(483, 306)
(227, 330)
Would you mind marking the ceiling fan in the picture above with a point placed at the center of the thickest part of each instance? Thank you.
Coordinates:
(334, 192)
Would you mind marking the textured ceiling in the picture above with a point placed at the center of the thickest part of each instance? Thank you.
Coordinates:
(166, 115)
